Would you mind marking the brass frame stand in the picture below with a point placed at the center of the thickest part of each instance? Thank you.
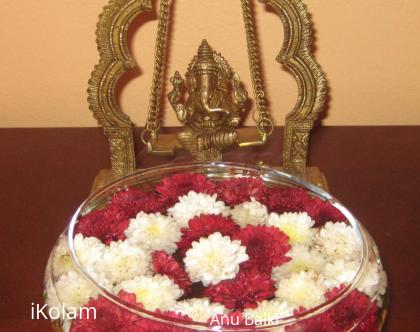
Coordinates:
(115, 60)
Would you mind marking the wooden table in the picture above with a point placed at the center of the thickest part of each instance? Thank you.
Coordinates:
(46, 173)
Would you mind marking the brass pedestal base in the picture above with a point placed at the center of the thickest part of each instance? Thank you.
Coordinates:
(313, 175)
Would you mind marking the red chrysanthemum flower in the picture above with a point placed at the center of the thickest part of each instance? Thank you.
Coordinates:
(239, 190)
(203, 226)
(106, 225)
(356, 308)
(266, 247)
(128, 200)
(322, 211)
(245, 291)
(319, 323)
(166, 264)
(282, 200)
(133, 201)
(109, 316)
(148, 325)
(110, 223)
(370, 322)
(173, 314)
(181, 184)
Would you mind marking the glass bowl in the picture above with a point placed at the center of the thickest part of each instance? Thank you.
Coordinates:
(314, 319)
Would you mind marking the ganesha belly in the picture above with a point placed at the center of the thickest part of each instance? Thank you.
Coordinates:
(211, 112)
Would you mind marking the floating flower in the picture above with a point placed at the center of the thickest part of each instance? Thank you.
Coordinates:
(122, 260)
(266, 247)
(154, 232)
(61, 259)
(105, 225)
(245, 291)
(74, 291)
(282, 200)
(109, 316)
(167, 265)
(355, 308)
(157, 292)
(338, 240)
(89, 250)
(249, 213)
(319, 323)
(149, 325)
(302, 289)
(302, 259)
(131, 201)
(213, 259)
(322, 211)
(370, 321)
(181, 184)
(199, 309)
(203, 226)
(195, 204)
(296, 225)
(269, 311)
(239, 190)
(339, 272)
(50, 295)
(374, 281)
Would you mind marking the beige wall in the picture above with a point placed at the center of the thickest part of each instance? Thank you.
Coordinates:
(370, 50)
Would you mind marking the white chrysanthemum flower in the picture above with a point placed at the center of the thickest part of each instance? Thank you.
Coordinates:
(214, 259)
(303, 289)
(61, 259)
(157, 292)
(75, 291)
(249, 213)
(303, 259)
(154, 232)
(199, 309)
(89, 250)
(51, 299)
(50, 295)
(297, 226)
(339, 272)
(194, 204)
(269, 311)
(373, 281)
(338, 240)
(122, 261)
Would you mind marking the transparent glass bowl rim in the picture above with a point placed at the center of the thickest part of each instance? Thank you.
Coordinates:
(263, 172)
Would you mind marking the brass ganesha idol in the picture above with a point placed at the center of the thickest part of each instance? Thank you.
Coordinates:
(212, 110)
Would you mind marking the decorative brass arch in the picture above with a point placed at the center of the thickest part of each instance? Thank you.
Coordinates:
(296, 56)
(115, 60)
